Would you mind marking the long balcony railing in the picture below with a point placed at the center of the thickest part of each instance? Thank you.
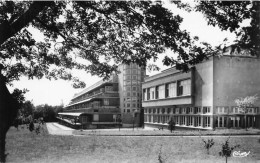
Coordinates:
(98, 95)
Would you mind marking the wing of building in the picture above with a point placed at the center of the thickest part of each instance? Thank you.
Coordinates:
(204, 97)
(108, 103)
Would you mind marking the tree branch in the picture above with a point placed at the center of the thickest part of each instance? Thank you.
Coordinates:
(8, 30)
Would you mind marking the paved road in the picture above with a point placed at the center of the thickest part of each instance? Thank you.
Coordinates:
(57, 129)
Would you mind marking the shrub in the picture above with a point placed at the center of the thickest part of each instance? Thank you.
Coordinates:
(226, 150)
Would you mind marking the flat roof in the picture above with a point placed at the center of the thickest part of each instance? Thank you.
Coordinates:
(72, 114)
(79, 102)
(96, 85)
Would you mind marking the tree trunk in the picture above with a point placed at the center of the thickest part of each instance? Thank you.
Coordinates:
(2, 144)
(8, 111)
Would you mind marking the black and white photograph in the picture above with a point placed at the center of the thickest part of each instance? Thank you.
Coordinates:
(150, 81)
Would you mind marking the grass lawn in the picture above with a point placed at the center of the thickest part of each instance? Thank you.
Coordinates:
(157, 132)
(24, 146)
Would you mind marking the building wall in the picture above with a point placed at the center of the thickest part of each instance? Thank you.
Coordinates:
(169, 76)
(235, 77)
(216, 82)
(203, 84)
(130, 92)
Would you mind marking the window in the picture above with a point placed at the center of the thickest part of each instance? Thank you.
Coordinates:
(134, 77)
(255, 110)
(108, 88)
(182, 120)
(106, 102)
(220, 121)
(172, 90)
(166, 90)
(207, 121)
(128, 94)
(144, 94)
(189, 110)
(184, 87)
(134, 82)
(134, 105)
(154, 110)
(148, 93)
(134, 93)
(220, 109)
(128, 110)
(168, 110)
(134, 88)
(197, 110)
(225, 122)
(128, 71)
(152, 95)
(161, 92)
(128, 88)
(163, 110)
(177, 110)
(206, 110)
(225, 109)
(134, 72)
(183, 110)
(156, 92)
(128, 105)
(189, 119)
(148, 110)
(177, 119)
(197, 121)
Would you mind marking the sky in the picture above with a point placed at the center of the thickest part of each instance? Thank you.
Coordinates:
(57, 92)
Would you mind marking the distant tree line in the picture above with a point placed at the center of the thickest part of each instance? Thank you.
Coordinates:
(28, 112)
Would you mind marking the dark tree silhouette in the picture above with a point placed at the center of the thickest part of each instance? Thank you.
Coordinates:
(229, 14)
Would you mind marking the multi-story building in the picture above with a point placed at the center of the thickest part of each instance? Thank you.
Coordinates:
(205, 96)
(104, 102)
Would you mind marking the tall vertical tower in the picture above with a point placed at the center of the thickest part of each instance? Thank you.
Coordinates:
(130, 92)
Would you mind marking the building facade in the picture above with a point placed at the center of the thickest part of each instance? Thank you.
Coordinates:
(105, 102)
(205, 96)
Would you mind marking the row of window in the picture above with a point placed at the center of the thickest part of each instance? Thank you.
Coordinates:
(131, 94)
(234, 121)
(132, 65)
(197, 110)
(179, 88)
(90, 104)
(132, 82)
(130, 110)
(235, 109)
(131, 88)
(97, 91)
(132, 77)
(132, 71)
(184, 110)
(195, 121)
(133, 105)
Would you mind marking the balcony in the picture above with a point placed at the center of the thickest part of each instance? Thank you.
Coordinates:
(97, 95)
(101, 109)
